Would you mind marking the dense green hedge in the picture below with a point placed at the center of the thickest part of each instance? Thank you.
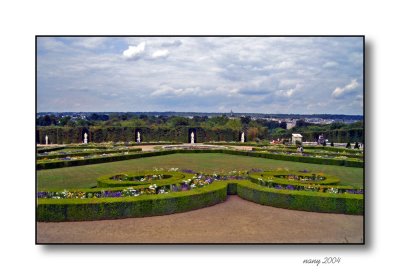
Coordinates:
(48, 149)
(306, 150)
(58, 164)
(54, 210)
(302, 200)
(172, 177)
(340, 162)
(59, 210)
(72, 154)
(337, 135)
(276, 178)
(67, 135)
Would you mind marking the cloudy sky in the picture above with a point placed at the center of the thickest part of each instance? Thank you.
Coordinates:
(200, 74)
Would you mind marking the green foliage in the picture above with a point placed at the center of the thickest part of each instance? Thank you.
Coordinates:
(302, 200)
(58, 164)
(278, 177)
(53, 210)
(170, 177)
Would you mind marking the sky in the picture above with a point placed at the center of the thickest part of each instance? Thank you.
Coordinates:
(298, 75)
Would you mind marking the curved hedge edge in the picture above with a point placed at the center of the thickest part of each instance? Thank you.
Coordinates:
(105, 181)
(59, 164)
(329, 179)
(300, 200)
(129, 207)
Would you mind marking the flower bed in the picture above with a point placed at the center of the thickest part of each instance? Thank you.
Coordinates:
(302, 181)
(160, 192)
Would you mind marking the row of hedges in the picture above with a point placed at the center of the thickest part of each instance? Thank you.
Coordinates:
(340, 162)
(67, 135)
(72, 154)
(334, 149)
(336, 136)
(59, 164)
(49, 149)
(302, 200)
(307, 151)
(54, 210)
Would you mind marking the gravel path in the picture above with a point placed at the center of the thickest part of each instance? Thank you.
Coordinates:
(235, 221)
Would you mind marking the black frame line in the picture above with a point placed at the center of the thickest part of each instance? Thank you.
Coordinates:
(214, 36)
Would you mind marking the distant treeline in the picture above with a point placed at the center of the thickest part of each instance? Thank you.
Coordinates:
(202, 114)
(122, 127)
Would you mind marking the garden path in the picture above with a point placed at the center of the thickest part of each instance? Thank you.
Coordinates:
(235, 221)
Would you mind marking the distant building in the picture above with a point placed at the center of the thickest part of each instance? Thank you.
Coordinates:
(290, 125)
(297, 137)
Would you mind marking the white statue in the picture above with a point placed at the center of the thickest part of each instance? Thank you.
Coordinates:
(47, 140)
(138, 137)
(192, 138)
(242, 138)
(85, 138)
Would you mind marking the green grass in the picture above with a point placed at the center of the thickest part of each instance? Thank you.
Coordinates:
(85, 176)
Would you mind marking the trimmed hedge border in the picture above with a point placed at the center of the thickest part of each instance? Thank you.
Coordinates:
(324, 153)
(302, 200)
(50, 210)
(328, 179)
(71, 154)
(59, 164)
(106, 182)
(44, 149)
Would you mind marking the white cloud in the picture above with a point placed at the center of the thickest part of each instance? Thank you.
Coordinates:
(330, 64)
(166, 90)
(347, 88)
(160, 53)
(89, 42)
(134, 51)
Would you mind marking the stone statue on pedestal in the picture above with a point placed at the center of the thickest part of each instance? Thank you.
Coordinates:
(192, 138)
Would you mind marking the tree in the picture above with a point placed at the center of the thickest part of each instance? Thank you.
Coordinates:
(64, 120)
(234, 124)
(245, 120)
(337, 125)
(252, 133)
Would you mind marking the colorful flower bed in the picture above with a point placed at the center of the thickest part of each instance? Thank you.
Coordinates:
(312, 152)
(160, 192)
(145, 183)
(302, 181)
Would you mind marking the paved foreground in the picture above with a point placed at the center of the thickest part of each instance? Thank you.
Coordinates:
(235, 221)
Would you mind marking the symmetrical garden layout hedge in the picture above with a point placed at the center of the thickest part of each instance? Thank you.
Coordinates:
(151, 193)
(60, 163)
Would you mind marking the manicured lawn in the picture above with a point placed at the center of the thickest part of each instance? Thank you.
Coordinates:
(85, 176)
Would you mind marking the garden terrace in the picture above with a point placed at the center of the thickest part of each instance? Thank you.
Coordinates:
(101, 159)
(84, 152)
(178, 192)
